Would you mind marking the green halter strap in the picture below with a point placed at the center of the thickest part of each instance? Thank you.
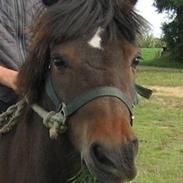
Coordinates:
(102, 91)
(78, 102)
(144, 92)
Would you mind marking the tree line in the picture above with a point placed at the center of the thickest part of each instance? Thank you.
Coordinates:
(173, 31)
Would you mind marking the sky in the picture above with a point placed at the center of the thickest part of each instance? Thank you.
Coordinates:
(149, 12)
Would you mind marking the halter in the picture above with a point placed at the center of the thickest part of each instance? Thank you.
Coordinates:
(55, 121)
(81, 100)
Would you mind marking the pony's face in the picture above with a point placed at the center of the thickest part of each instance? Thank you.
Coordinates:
(101, 129)
(102, 53)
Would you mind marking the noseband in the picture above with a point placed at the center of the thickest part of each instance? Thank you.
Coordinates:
(55, 121)
(81, 100)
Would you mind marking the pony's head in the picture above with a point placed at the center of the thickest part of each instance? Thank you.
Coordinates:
(83, 45)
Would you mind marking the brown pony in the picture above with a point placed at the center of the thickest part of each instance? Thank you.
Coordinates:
(81, 44)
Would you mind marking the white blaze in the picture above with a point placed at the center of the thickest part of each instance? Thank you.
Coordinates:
(95, 41)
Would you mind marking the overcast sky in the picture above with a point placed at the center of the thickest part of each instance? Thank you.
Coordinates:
(148, 11)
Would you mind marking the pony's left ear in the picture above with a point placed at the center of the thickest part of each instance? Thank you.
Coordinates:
(49, 2)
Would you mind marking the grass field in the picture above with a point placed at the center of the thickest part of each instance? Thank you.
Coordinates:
(152, 57)
(160, 78)
(159, 126)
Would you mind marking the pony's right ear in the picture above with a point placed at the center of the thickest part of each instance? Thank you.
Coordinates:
(49, 2)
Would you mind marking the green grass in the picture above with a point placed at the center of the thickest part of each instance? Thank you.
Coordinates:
(151, 53)
(159, 126)
(152, 57)
(160, 78)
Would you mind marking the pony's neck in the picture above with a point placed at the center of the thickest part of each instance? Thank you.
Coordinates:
(60, 153)
(40, 159)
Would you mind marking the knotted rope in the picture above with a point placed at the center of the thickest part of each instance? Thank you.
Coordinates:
(8, 119)
(54, 121)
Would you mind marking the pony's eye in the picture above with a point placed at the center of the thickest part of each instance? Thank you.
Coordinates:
(60, 62)
(136, 61)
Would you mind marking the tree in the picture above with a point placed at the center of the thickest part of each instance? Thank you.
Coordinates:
(149, 41)
(173, 31)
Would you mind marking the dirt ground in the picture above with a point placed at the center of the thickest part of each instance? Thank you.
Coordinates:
(167, 91)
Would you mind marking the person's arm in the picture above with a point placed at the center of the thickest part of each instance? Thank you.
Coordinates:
(8, 78)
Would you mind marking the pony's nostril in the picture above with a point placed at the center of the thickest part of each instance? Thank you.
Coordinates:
(114, 162)
(100, 155)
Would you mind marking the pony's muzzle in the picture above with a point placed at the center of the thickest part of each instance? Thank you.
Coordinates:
(113, 165)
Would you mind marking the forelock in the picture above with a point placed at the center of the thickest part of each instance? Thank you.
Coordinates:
(73, 19)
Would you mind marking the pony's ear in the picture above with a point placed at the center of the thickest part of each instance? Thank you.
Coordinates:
(49, 2)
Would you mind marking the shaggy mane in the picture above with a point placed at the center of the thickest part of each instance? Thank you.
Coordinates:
(70, 20)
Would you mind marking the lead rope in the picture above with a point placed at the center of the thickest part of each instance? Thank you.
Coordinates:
(8, 119)
(54, 121)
